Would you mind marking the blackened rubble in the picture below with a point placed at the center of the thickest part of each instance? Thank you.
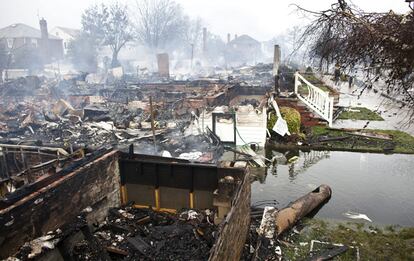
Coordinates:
(133, 234)
(81, 117)
(75, 112)
(148, 235)
(49, 114)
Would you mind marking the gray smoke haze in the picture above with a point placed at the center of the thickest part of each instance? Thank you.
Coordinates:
(267, 22)
(261, 19)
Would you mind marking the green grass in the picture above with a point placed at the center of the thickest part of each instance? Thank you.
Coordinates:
(324, 88)
(362, 114)
(374, 243)
(312, 78)
(342, 78)
(315, 81)
(401, 142)
(304, 90)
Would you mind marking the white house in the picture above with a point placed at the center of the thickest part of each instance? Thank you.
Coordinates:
(66, 34)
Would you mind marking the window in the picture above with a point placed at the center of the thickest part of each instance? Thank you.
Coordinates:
(10, 43)
(34, 42)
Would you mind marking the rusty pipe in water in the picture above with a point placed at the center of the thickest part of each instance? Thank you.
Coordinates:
(287, 217)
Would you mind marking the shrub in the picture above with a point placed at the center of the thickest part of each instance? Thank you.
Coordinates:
(290, 115)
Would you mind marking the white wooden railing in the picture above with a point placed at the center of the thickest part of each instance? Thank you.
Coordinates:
(316, 99)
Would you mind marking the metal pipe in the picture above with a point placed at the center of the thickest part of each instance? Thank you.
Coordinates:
(287, 217)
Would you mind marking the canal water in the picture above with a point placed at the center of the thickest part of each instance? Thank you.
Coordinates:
(380, 186)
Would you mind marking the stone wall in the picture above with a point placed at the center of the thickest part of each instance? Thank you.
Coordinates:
(96, 184)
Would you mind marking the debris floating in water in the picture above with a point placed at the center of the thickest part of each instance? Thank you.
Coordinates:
(355, 215)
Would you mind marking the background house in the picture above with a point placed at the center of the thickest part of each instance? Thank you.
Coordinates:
(28, 47)
(243, 50)
(66, 34)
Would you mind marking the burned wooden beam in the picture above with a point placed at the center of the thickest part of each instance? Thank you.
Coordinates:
(56, 202)
(30, 188)
(116, 250)
(36, 148)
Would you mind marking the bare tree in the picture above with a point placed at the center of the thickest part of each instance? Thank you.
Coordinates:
(288, 41)
(94, 21)
(158, 22)
(118, 31)
(381, 43)
(193, 32)
(109, 25)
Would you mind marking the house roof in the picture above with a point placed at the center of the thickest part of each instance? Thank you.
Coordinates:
(22, 30)
(70, 31)
(245, 39)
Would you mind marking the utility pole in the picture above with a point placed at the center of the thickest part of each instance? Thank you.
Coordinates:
(152, 124)
(192, 56)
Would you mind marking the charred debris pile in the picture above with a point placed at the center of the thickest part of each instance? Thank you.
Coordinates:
(96, 115)
(78, 112)
(101, 207)
(66, 115)
(47, 125)
(131, 234)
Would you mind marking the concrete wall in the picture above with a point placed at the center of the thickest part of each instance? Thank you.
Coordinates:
(96, 184)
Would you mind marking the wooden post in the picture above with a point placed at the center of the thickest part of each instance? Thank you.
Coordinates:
(234, 129)
(276, 60)
(5, 166)
(331, 111)
(296, 82)
(202, 122)
(152, 125)
(23, 159)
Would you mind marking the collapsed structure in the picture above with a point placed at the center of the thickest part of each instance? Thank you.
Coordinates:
(81, 155)
(82, 152)
(100, 182)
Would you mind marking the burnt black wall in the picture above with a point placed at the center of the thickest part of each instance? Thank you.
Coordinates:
(96, 184)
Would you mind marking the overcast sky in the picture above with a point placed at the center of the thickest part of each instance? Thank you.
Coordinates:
(262, 19)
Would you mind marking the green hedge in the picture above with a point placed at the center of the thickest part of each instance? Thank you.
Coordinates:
(290, 115)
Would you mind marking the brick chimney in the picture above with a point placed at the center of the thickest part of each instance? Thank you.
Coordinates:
(43, 29)
(276, 59)
(44, 40)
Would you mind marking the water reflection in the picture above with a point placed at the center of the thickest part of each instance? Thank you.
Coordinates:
(374, 184)
(297, 162)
